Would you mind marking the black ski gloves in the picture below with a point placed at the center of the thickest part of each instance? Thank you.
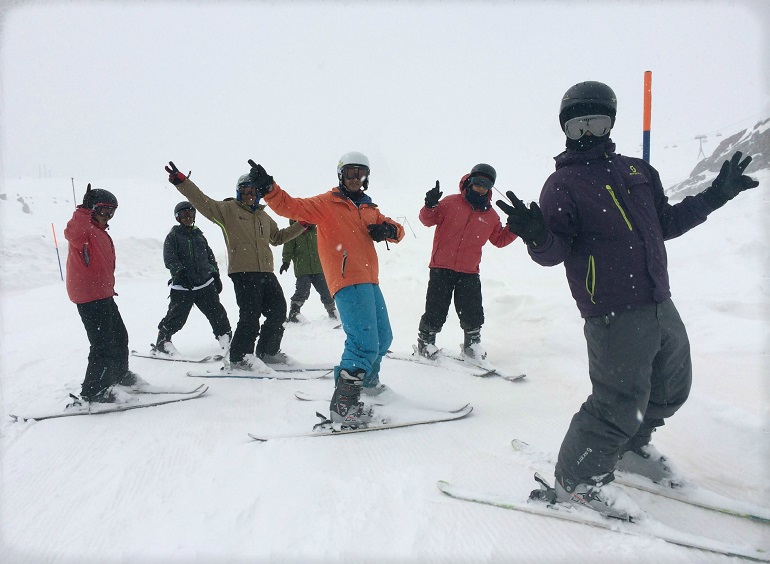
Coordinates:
(183, 280)
(381, 231)
(260, 178)
(174, 175)
(284, 268)
(529, 224)
(432, 196)
(217, 283)
(729, 182)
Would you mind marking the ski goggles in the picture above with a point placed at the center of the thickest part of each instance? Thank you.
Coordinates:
(189, 212)
(597, 125)
(355, 172)
(247, 189)
(485, 183)
(104, 210)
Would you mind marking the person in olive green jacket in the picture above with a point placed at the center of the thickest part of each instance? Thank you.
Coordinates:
(307, 268)
(248, 232)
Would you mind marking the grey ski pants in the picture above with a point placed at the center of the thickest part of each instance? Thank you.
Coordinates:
(641, 372)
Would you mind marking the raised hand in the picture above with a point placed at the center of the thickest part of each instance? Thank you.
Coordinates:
(260, 178)
(730, 181)
(174, 174)
(432, 196)
(527, 223)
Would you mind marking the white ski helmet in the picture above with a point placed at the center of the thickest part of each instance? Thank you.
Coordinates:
(352, 158)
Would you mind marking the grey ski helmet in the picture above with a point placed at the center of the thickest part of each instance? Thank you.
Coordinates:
(588, 98)
(485, 170)
(182, 206)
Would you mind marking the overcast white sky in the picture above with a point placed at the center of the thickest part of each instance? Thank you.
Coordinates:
(426, 89)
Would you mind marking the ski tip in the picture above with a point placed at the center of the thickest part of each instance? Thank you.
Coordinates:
(257, 439)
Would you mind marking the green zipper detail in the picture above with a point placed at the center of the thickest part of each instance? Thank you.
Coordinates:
(591, 278)
(617, 203)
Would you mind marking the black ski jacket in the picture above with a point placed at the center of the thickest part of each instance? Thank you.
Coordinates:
(186, 250)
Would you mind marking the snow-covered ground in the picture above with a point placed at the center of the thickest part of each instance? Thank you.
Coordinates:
(183, 482)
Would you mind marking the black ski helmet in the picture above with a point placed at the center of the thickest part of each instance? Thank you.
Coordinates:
(588, 98)
(97, 197)
(182, 206)
(485, 170)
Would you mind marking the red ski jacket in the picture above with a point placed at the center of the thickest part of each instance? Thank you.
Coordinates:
(462, 231)
(90, 259)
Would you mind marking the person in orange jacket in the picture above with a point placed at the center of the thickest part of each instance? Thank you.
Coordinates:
(348, 223)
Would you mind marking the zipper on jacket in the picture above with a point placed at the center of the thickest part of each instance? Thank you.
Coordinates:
(617, 203)
(591, 278)
(344, 261)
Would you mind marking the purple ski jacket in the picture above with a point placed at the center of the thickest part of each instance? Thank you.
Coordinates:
(609, 218)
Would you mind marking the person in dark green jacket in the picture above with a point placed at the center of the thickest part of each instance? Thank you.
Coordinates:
(307, 268)
(194, 280)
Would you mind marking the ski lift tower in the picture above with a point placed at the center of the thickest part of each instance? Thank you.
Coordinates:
(702, 139)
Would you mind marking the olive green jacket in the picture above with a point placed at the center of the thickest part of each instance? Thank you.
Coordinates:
(248, 233)
(304, 252)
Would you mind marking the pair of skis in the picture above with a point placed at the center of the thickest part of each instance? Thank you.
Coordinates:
(296, 371)
(147, 396)
(459, 363)
(541, 502)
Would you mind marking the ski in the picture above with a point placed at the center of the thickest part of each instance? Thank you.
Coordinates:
(491, 369)
(160, 390)
(458, 364)
(645, 527)
(440, 362)
(86, 408)
(163, 356)
(381, 426)
(272, 375)
(686, 493)
(390, 399)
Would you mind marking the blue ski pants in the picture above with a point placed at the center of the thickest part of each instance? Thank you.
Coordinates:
(367, 329)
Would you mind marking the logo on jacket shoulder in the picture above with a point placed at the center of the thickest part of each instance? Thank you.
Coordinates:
(634, 172)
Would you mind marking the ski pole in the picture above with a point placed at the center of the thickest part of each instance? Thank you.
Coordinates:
(74, 199)
(55, 244)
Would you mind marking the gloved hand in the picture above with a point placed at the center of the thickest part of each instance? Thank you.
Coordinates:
(217, 283)
(183, 280)
(529, 224)
(381, 231)
(284, 268)
(262, 180)
(729, 182)
(432, 196)
(87, 198)
(174, 175)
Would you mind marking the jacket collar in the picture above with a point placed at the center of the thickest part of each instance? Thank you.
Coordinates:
(601, 152)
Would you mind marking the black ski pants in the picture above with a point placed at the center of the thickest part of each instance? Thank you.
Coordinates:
(641, 371)
(257, 294)
(466, 288)
(302, 289)
(182, 302)
(108, 357)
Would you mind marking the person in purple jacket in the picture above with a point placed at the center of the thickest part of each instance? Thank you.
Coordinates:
(605, 216)
(464, 223)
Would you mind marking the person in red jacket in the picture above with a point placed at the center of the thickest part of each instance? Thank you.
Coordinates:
(464, 223)
(91, 286)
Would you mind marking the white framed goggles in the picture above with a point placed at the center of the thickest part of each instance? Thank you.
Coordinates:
(598, 125)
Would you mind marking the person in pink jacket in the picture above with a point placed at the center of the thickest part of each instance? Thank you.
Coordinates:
(91, 286)
(464, 223)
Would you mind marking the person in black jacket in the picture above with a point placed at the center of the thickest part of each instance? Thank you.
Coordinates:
(194, 281)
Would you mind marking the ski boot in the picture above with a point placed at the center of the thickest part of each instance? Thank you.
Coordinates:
(346, 412)
(472, 345)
